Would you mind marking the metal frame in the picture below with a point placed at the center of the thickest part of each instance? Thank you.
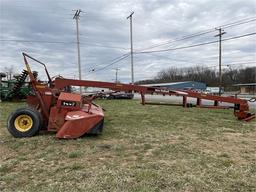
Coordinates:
(48, 97)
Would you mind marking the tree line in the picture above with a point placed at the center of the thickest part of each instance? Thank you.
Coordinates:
(204, 74)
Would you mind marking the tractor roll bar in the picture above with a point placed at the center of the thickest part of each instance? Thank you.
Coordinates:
(29, 70)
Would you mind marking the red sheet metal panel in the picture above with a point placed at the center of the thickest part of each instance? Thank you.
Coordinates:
(69, 97)
(80, 122)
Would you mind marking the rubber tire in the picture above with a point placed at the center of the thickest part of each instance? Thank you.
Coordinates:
(33, 113)
(110, 97)
(97, 129)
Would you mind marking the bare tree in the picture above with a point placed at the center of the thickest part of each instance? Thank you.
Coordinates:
(9, 72)
(206, 75)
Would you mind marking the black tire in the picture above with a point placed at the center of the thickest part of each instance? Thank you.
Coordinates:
(97, 129)
(26, 113)
(110, 97)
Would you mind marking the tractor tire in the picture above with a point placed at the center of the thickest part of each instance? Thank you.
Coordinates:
(24, 122)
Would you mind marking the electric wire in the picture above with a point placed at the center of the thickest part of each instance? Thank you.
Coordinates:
(61, 42)
(239, 22)
(112, 63)
(166, 50)
(229, 64)
(195, 45)
(236, 23)
(112, 60)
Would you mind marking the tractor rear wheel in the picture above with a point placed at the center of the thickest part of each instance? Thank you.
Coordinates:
(24, 122)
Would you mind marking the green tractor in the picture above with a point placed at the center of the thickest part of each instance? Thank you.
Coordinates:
(14, 89)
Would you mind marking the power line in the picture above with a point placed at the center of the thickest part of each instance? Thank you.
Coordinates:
(174, 59)
(112, 63)
(195, 45)
(35, 41)
(241, 62)
(236, 23)
(197, 62)
(207, 31)
(228, 64)
(178, 39)
(165, 50)
(116, 47)
(183, 38)
(112, 60)
(200, 62)
(104, 46)
(122, 58)
(61, 42)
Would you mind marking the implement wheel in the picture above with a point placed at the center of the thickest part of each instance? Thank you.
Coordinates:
(24, 122)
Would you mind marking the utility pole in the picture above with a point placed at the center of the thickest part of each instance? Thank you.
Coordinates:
(221, 32)
(132, 73)
(116, 74)
(76, 17)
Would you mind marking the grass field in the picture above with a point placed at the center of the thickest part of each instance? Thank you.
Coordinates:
(143, 148)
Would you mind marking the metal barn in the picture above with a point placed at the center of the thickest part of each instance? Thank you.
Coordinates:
(185, 85)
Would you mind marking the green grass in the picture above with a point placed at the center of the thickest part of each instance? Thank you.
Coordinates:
(143, 148)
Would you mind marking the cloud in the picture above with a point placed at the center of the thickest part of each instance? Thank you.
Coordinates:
(104, 35)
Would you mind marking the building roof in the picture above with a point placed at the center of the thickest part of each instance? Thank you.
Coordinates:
(245, 84)
(168, 84)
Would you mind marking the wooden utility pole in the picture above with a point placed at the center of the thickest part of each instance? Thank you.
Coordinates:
(116, 74)
(76, 17)
(221, 32)
(132, 72)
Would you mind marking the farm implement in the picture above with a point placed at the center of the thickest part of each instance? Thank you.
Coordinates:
(52, 107)
(16, 88)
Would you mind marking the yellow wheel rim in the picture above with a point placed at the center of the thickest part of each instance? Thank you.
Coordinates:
(23, 123)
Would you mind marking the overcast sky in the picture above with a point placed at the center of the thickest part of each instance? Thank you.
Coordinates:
(50, 35)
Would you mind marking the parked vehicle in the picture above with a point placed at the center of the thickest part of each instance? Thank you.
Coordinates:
(120, 95)
(213, 90)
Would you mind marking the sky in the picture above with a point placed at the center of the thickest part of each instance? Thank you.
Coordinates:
(46, 30)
